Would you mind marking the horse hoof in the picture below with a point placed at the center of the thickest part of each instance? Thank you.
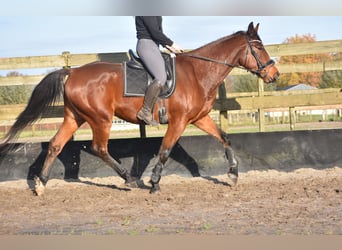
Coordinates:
(155, 189)
(131, 184)
(39, 187)
(233, 173)
(233, 178)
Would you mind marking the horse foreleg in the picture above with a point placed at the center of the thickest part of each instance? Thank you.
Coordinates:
(157, 170)
(233, 171)
(69, 126)
(171, 136)
(208, 125)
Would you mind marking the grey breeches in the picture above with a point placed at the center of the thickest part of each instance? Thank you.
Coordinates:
(151, 56)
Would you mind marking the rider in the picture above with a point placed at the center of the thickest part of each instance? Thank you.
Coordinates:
(150, 35)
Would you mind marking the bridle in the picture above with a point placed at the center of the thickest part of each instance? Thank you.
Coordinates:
(261, 66)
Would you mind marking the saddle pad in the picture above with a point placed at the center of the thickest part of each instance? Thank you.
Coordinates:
(137, 80)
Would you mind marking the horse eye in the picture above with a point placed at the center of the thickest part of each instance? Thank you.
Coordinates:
(258, 46)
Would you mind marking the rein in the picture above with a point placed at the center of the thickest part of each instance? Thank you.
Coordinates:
(225, 63)
(213, 60)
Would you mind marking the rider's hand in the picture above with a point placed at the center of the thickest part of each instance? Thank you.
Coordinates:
(175, 48)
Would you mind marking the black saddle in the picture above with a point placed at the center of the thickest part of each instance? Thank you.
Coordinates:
(137, 78)
(135, 61)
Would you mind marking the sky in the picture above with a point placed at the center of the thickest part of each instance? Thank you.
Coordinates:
(51, 35)
(50, 27)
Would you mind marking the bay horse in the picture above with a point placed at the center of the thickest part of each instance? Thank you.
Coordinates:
(93, 93)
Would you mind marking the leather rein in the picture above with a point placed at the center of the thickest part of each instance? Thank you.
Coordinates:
(225, 63)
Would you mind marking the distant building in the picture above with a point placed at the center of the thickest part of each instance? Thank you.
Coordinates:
(300, 86)
(322, 111)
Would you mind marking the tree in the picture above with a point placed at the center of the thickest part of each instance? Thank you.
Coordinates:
(331, 79)
(245, 83)
(14, 94)
(311, 78)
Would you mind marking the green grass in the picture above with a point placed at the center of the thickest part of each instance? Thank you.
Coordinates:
(206, 226)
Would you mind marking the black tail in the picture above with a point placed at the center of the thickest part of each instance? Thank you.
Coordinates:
(45, 94)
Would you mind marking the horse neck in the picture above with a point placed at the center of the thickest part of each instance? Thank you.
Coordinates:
(229, 49)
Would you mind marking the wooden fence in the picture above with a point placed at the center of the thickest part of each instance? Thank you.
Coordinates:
(258, 101)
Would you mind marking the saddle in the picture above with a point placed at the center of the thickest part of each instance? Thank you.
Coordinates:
(137, 78)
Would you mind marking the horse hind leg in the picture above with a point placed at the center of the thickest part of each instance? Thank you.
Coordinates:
(100, 148)
(69, 126)
(102, 152)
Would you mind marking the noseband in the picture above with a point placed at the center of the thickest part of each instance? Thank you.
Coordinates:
(261, 66)
(258, 72)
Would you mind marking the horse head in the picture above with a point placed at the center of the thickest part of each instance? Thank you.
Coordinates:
(257, 60)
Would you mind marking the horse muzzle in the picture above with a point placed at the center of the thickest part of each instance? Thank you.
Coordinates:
(269, 74)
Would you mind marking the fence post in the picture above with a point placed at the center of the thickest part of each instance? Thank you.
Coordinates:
(223, 113)
(66, 55)
(292, 115)
(142, 130)
(261, 111)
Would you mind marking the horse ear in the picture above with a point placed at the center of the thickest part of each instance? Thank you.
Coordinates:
(256, 28)
(250, 30)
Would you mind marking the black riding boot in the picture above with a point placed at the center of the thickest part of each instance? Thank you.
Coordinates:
(151, 96)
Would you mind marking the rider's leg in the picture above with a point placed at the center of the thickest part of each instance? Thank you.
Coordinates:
(150, 55)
